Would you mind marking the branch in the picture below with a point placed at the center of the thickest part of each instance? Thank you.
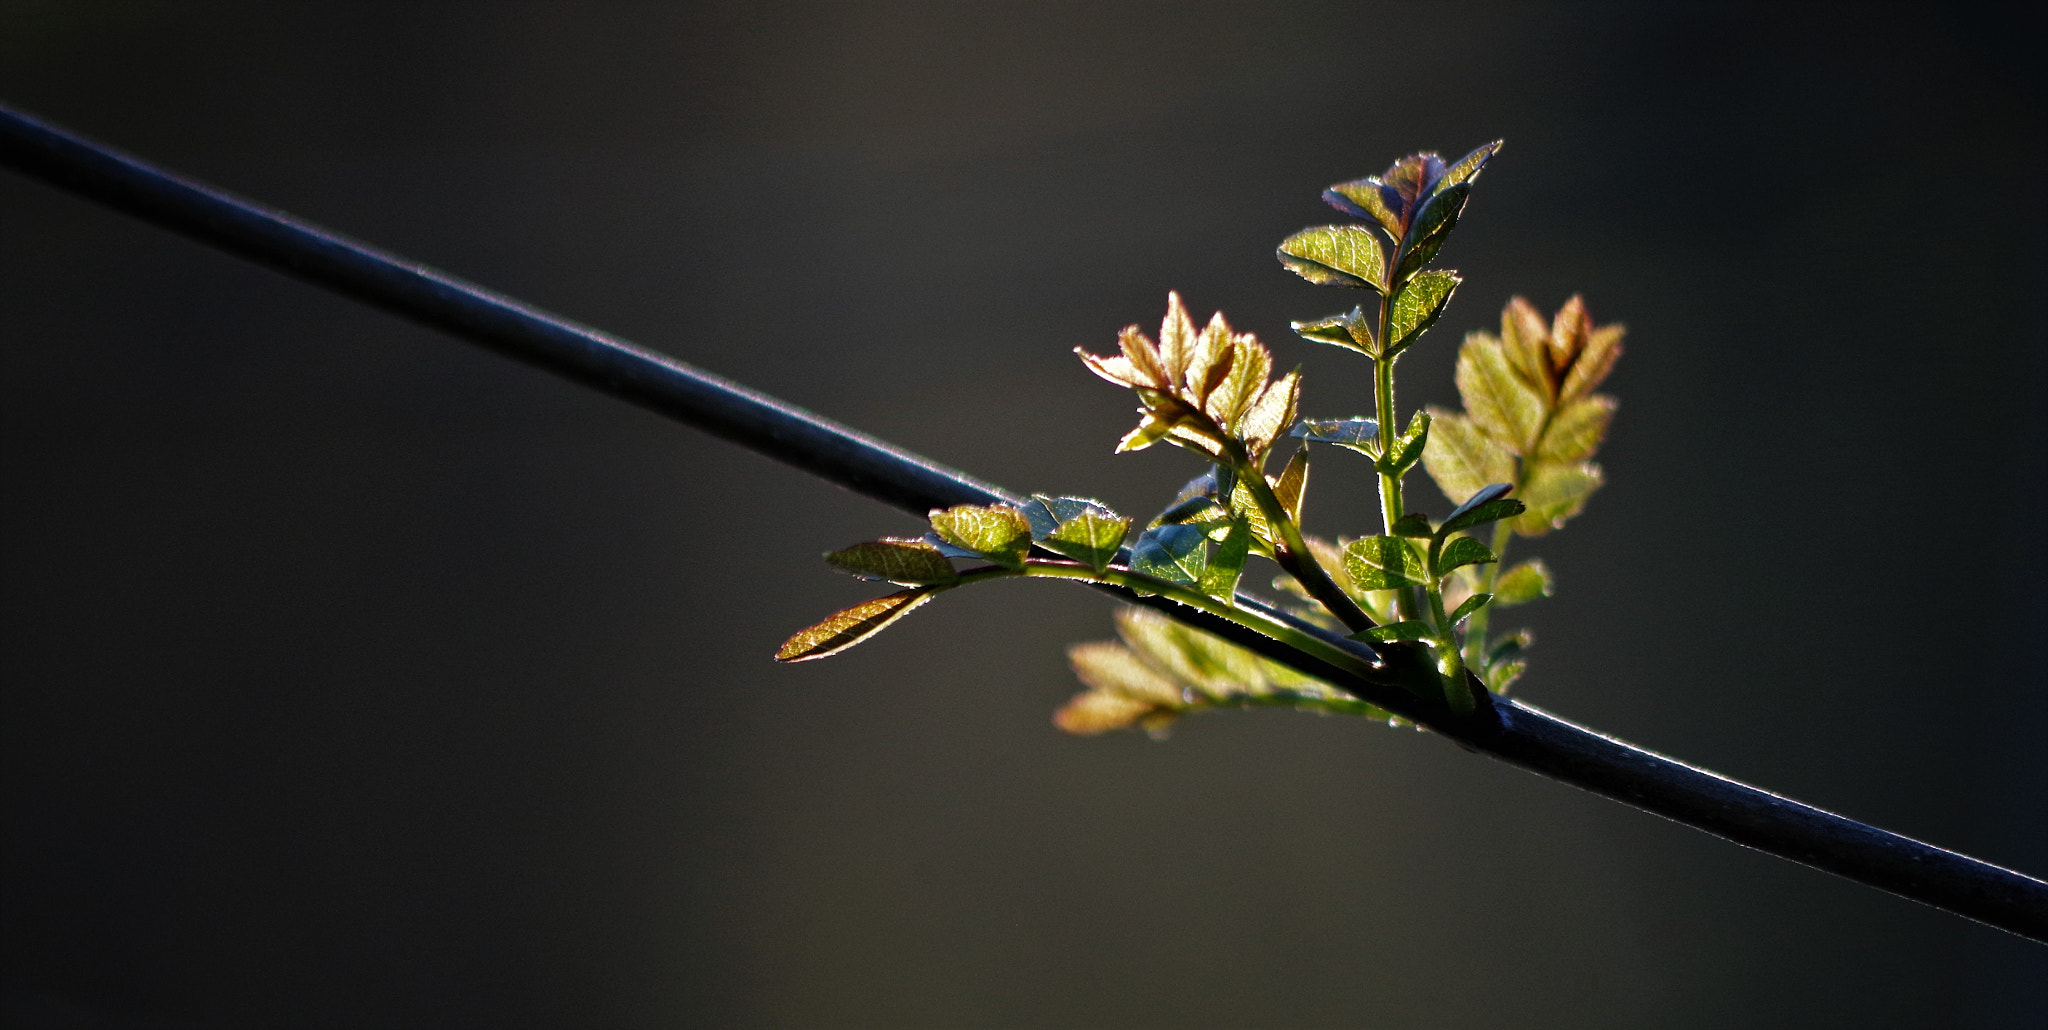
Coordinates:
(1508, 730)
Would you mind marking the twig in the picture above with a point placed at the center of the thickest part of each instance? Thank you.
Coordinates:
(1508, 730)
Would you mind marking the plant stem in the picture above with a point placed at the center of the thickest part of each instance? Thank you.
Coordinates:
(1290, 550)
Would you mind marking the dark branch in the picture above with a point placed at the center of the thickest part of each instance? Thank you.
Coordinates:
(1505, 729)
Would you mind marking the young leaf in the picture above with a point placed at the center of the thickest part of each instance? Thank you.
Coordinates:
(1337, 255)
(1045, 513)
(1417, 306)
(1468, 167)
(1384, 563)
(1433, 225)
(1408, 447)
(1463, 551)
(1092, 537)
(1177, 554)
(1368, 199)
(1594, 361)
(1555, 493)
(1358, 434)
(1472, 604)
(1575, 430)
(906, 562)
(1489, 492)
(1114, 668)
(1270, 415)
(1497, 398)
(997, 532)
(1093, 712)
(851, 626)
(1394, 632)
(1351, 330)
(1480, 509)
(1220, 578)
(1523, 583)
(1462, 458)
(1510, 646)
(1292, 485)
(1415, 525)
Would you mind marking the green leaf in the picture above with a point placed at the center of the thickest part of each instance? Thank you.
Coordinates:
(1417, 306)
(1555, 493)
(1292, 485)
(1468, 167)
(1176, 554)
(1369, 199)
(1463, 551)
(1091, 537)
(1359, 434)
(1463, 458)
(1523, 583)
(997, 532)
(1472, 604)
(1220, 578)
(1433, 225)
(1384, 563)
(1395, 632)
(1488, 505)
(1408, 447)
(1045, 513)
(1351, 331)
(1496, 396)
(1414, 524)
(1337, 255)
(906, 562)
(852, 625)
(1575, 430)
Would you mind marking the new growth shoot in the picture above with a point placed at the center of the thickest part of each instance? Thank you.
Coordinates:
(1516, 461)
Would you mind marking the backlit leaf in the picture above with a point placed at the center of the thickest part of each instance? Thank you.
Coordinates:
(1248, 371)
(1227, 563)
(1351, 330)
(1467, 168)
(1292, 485)
(1463, 551)
(1575, 430)
(1417, 306)
(1555, 493)
(1114, 668)
(1463, 458)
(1472, 604)
(1093, 711)
(1176, 554)
(1384, 563)
(851, 626)
(1369, 199)
(1270, 415)
(1408, 447)
(1595, 360)
(1336, 255)
(1091, 537)
(1496, 396)
(1433, 225)
(997, 532)
(1176, 341)
(1488, 505)
(906, 562)
(1359, 434)
(1045, 512)
(1523, 583)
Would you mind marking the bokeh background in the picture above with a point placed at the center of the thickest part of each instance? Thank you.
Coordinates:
(356, 677)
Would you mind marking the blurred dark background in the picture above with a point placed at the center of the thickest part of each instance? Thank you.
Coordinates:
(356, 677)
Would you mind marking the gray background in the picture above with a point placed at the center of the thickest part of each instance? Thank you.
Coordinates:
(355, 677)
